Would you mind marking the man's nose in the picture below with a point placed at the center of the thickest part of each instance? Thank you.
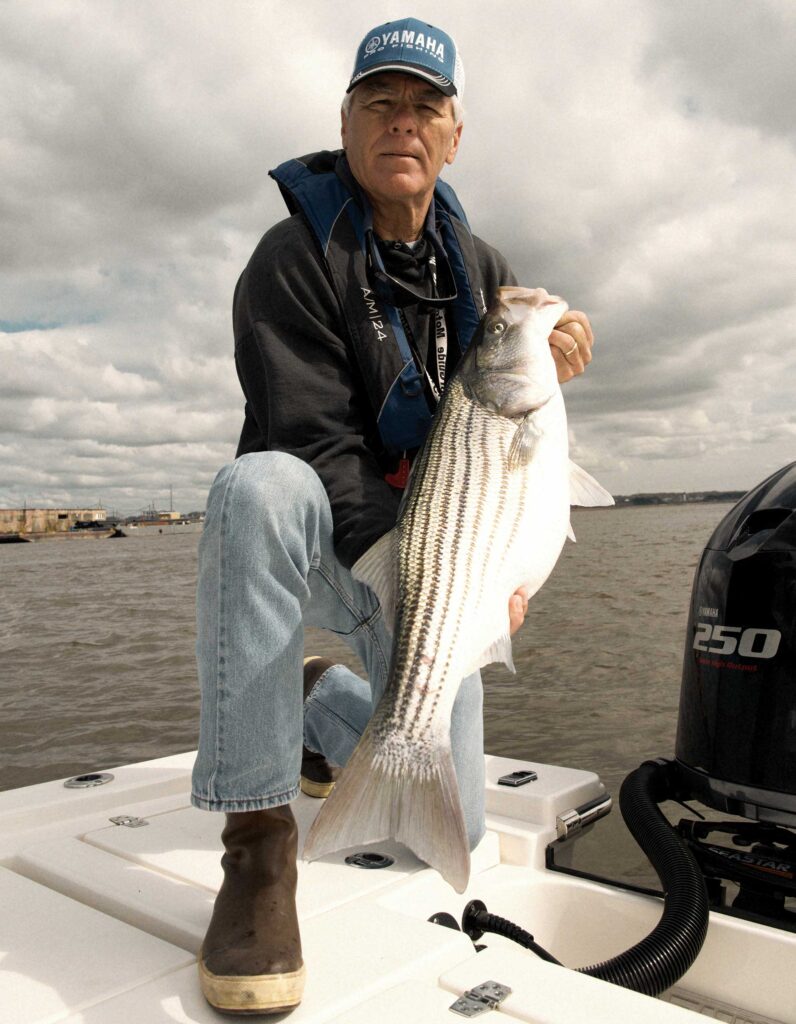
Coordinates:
(404, 120)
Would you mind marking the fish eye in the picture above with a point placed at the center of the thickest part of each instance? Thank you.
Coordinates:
(499, 326)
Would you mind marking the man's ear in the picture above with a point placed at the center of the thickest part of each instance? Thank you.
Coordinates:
(454, 148)
(343, 121)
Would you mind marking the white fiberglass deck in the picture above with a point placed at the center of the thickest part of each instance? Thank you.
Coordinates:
(101, 922)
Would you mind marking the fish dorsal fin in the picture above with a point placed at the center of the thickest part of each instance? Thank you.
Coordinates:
(584, 489)
(523, 443)
(377, 569)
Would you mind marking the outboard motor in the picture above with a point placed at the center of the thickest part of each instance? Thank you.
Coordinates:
(736, 736)
(735, 752)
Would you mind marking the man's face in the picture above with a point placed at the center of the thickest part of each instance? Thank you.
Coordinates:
(398, 135)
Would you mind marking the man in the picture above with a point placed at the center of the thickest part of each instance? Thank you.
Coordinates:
(349, 318)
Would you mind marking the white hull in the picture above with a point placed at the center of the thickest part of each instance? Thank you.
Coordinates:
(102, 922)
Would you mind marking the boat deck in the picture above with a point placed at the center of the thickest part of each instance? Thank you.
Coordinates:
(102, 921)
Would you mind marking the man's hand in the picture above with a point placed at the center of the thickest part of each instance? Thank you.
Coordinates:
(518, 607)
(571, 343)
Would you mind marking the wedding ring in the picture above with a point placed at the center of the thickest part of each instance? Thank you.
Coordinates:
(573, 349)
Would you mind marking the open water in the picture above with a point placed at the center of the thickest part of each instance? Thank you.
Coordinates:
(97, 649)
(97, 636)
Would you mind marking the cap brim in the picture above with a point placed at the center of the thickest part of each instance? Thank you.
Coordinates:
(445, 85)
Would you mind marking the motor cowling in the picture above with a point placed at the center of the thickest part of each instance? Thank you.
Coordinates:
(736, 735)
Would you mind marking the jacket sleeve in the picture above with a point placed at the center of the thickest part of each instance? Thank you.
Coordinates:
(495, 271)
(303, 391)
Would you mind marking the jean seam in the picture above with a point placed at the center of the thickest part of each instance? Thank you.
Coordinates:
(317, 683)
(383, 657)
(222, 804)
(341, 592)
(333, 717)
(221, 665)
(364, 621)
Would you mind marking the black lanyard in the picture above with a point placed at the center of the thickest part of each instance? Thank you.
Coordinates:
(440, 327)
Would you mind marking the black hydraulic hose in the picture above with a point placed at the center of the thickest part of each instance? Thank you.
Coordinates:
(477, 920)
(663, 957)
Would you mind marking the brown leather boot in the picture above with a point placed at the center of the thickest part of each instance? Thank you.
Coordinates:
(318, 775)
(251, 957)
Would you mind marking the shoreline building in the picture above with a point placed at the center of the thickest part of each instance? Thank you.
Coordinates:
(26, 521)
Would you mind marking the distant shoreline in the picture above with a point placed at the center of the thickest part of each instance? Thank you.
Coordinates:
(677, 498)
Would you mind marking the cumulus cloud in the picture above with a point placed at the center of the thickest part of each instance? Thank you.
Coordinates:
(637, 158)
(731, 61)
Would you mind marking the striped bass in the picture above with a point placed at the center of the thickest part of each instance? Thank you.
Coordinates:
(486, 511)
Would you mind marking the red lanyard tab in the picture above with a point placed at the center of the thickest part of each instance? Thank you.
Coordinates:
(400, 477)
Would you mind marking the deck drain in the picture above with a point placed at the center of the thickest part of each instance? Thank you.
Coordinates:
(370, 860)
(85, 781)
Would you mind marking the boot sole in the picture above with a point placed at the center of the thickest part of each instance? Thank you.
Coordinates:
(250, 994)
(319, 790)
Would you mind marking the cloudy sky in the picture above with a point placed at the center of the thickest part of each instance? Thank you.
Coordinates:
(636, 156)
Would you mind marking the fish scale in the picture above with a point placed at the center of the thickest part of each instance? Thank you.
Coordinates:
(428, 582)
(486, 511)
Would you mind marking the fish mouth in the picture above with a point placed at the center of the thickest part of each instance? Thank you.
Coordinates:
(534, 297)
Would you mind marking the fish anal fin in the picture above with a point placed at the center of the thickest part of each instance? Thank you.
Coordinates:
(498, 652)
(370, 803)
(377, 569)
(584, 489)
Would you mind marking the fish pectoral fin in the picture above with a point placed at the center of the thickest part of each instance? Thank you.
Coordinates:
(377, 569)
(523, 443)
(584, 489)
(372, 802)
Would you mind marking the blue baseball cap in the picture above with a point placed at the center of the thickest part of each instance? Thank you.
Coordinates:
(414, 48)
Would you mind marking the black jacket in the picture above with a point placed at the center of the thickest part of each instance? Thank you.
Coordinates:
(305, 390)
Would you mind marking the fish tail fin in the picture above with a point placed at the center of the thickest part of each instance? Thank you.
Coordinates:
(431, 822)
(373, 800)
(356, 811)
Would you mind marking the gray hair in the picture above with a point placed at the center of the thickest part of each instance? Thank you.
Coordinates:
(458, 107)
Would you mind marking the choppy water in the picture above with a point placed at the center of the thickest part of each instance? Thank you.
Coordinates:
(97, 636)
(97, 664)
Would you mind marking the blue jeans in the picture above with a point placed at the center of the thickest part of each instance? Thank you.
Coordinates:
(267, 568)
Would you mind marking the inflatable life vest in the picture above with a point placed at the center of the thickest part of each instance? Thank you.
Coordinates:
(321, 187)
